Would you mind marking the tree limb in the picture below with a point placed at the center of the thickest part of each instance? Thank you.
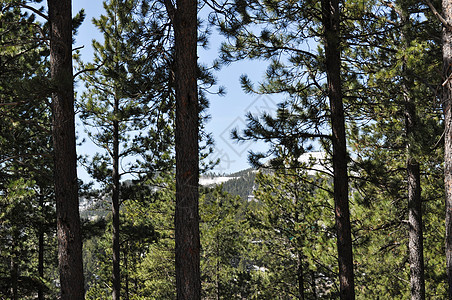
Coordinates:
(13, 103)
(438, 15)
(171, 9)
(88, 70)
(35, 11)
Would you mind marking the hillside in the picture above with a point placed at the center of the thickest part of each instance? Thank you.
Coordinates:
(240, 183)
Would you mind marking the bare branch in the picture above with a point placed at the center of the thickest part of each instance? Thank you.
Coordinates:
(89, 69)
(12, 103)
(438, 15)
(77, 48)
(35, 11)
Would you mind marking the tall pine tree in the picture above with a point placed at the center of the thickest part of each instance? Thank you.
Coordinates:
(183, 15)
(65, 157)
(283, 32)
(447, 107)
(127, 103)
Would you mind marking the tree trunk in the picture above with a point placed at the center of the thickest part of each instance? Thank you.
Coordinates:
(331, 22)
(188, 282)
(447, 101)
(65, 158)
(415, 243)
(14, 272)
(115, 205)
(41, 250)
(300, 276)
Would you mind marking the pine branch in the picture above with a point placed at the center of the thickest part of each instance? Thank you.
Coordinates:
(14, 157)
(89, 69)
(42, 15)
(438, 15)
(13, 103)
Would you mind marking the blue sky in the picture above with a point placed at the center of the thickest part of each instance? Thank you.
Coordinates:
(226, 112)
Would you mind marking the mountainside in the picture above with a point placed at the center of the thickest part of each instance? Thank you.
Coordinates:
(240, 183)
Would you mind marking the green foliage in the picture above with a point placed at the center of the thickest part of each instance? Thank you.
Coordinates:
(223, 241)
(26, 193)
(285, 34)
(396, 64)
(147, 240)
(291, 230)
(281, 242)
(390, 66)
(132, 89)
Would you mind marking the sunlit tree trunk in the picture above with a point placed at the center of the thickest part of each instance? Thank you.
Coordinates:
(447, 101)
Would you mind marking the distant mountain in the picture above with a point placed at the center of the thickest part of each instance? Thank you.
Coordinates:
(240, 183)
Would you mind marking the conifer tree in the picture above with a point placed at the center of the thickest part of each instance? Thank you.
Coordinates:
(223, 239)
(447, 107)
(281, 32)
(147, 243)
(290, 228)
(26, 193)
(127, 93)
(65, 158)
(183, 15)
(405, 43)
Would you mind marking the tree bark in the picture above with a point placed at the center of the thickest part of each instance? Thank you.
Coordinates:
(115, 205)
(188, 282)
(41, 250)
(300, 276)
(14, 272)
(331, 22)
(65, 158)
(415, 243)
(447, 101)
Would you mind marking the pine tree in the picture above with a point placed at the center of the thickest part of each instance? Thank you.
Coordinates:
(126, 94)
(272, 30)
(147, 239)
(183, 15)
(447, 107)
(26, 195)
(401, 48)
(223, 239)
(290, 234)
(331, 23)
(65, 157)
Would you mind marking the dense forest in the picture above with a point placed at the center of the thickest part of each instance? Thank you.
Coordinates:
(350, 197)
